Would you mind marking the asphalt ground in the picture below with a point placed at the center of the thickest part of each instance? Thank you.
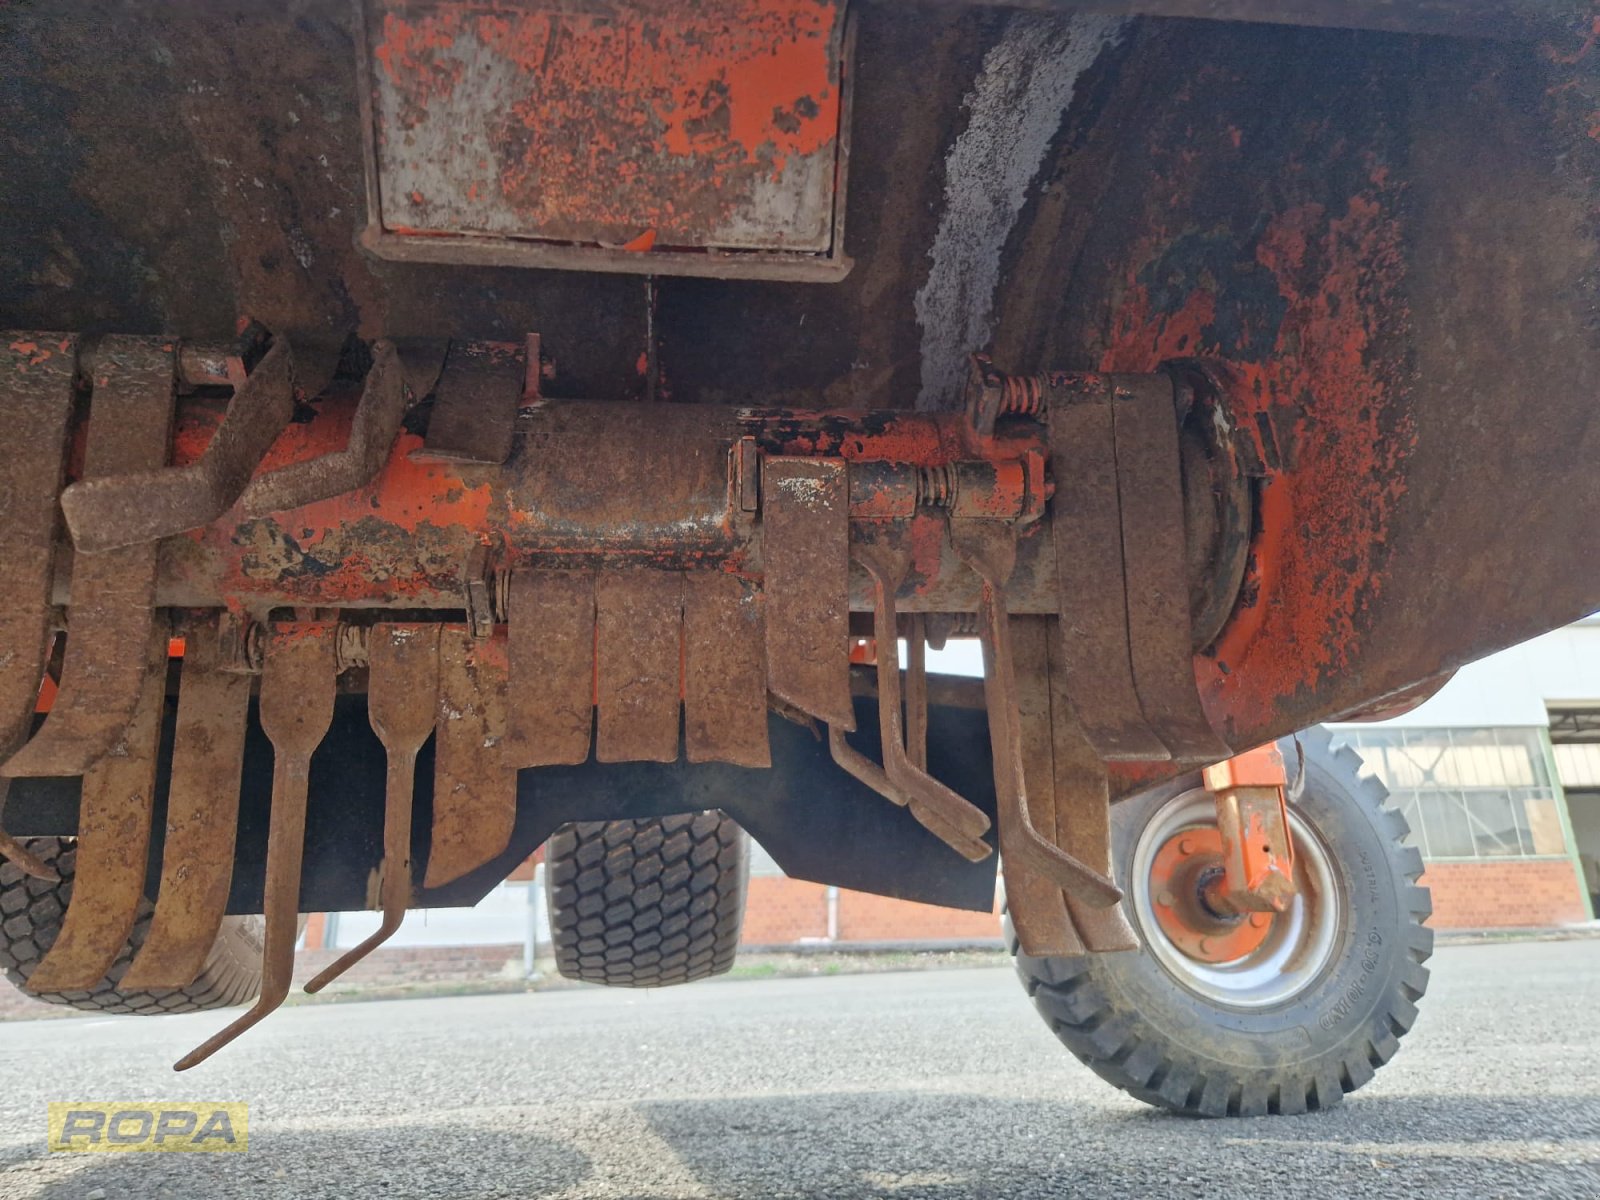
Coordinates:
(940, 1084)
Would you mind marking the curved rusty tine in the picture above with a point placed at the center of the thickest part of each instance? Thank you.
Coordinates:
(18, 855)
(402, 700)
(870, 773)
(121, 510)
(36, 396)
(917, 691)
(474, 783)
(296, 707)
(113, 843)
(113, 594)
(202, 817)
(887, 569)
(372, 433)
(989, 548)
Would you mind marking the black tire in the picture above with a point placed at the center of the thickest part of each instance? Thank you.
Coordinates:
(1139, 1028)
(647, 903)
(31, 912)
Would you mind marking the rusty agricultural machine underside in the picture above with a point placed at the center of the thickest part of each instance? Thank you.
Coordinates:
(539, 389)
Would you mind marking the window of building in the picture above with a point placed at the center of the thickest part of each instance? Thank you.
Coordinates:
(1467, 793)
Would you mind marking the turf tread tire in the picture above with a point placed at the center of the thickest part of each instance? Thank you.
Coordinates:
(31, 913)
(647, 902)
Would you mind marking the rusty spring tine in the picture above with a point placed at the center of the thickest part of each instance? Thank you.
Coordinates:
(638, 652)
(36, 396)
(113, 843)
(917, 691)
(474, 784)
(113, 594)
(296, 707)
(724, 679)
(926, 794)
(550, 643)
(122, 510)
(202, 818)
(372, 433)
(870, 773)
(805, 541)
(401, 705)
(989, 548)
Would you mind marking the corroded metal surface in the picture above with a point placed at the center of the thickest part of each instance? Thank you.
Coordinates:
(202, 817)
(474, 783)
(366, 451)
(805, 539)
(646, 136)
(1087, 533)
(550, 647)
(109, 511)
(36, 395)
(1156, 572)
(475, 403)
(639, 649)
(724, 675)
(113, 594)
(113, 842)
(402, 705)
(297, 690)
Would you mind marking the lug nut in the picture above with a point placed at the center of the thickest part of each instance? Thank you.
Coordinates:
(1164, 898)
(1259, 920)
(1185, 846)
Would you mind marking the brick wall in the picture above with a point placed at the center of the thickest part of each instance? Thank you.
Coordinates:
(781, 911)
(1508, 894)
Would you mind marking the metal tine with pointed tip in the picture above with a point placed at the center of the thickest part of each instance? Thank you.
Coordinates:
(113, 844)
(917, 691)
(474, 782)
(926, 794)
(36, 397)
(202, 817)
(402, 700)
(296, 708)
(989, 548)
(113, 594)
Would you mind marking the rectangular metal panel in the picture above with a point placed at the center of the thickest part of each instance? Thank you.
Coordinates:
(551, 646)
(639, 649)
(805, 542)
(474, 786)
(725, 679)
(613, 131)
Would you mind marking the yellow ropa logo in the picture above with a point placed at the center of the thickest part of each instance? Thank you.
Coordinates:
(196, 1126)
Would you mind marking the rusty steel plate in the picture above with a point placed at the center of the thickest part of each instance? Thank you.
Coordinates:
(113, 594)
(805, 542)
(298, 678)
(145, 506)
(202, 818)
(113, 842)
(638, 652)
(550, 632)
(635, 136)
(1037, 907)
(724, 677)
(1087, 530)
(1155, 569)
(475, 403)
(474, 785)
(36, 395)
(402, 706)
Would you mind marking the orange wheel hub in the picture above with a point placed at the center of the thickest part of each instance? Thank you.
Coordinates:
(1183, 877)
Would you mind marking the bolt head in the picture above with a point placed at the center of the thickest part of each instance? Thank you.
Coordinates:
(1186, 846)
(1259, 920)
(1165, 898)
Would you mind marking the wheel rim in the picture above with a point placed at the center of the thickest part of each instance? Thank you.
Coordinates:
(1232, 961)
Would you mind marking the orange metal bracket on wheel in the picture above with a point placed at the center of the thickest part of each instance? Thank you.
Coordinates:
(1253, 818)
